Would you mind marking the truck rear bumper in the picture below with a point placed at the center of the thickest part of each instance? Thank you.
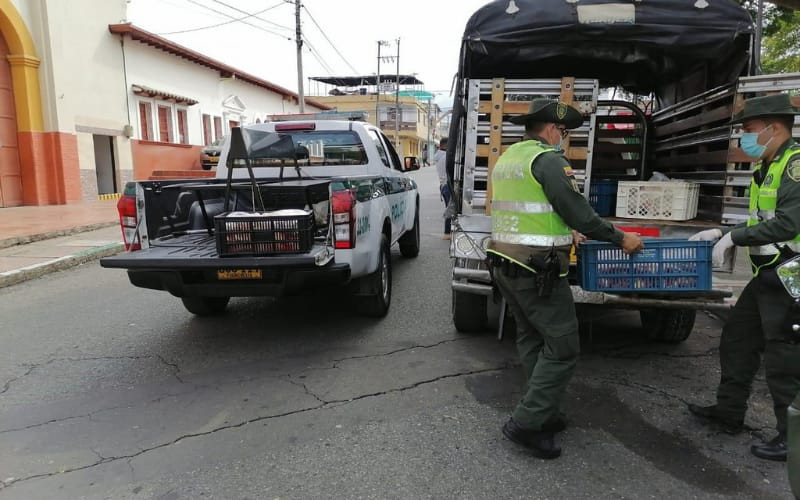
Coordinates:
(274, 281)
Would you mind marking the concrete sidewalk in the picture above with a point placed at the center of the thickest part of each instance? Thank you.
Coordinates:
(35, 241)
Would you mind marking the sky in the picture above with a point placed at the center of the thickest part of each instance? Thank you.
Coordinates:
(343, 38)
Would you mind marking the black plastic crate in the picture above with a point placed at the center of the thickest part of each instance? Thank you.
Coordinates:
(264, 233)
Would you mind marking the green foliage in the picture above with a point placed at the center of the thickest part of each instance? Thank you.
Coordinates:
(780, 48)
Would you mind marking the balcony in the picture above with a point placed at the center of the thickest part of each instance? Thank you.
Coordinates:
(388, 125)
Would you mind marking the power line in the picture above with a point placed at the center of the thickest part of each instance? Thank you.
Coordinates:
(315, 53)
(329, 40)
(243, 22)
(257, 13)
(201, 28)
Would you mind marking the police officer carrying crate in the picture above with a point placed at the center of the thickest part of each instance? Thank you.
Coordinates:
(536, 205)
(772, 235)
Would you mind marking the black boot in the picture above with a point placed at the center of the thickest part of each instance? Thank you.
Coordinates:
(774, 450)
(557, 423)
(541, 443)
(710, 414)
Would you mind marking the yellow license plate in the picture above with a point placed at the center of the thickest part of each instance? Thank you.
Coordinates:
(214, 159)
(239, 274)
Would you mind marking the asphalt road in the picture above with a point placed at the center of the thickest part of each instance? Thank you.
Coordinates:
(108, 391)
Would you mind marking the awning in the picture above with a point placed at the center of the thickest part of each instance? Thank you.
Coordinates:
(144, 91)
(356, 81)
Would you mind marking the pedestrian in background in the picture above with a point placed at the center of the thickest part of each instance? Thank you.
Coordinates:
(772, 233)
(444, 188)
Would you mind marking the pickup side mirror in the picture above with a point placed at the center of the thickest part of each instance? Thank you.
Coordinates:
(411, 163)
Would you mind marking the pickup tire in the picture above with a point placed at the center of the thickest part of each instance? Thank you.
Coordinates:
(206, 306)
(379, 283)
(409, 242)
(469, 312)
(668, 325)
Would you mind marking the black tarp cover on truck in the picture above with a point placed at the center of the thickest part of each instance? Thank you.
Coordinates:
(674, 48)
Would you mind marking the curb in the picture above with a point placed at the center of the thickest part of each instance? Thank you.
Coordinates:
(16, 276)
(21, 240)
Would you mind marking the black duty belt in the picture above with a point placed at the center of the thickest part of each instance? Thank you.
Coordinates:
(508, 268)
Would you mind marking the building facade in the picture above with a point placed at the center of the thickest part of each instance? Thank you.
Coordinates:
(415, 120)
(88, 102)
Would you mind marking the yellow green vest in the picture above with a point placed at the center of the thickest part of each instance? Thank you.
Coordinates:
(763, 203)
(521, 213)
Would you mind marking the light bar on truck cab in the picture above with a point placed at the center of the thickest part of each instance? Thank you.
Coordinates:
(283, 127)
(126, 206)
(343, 206)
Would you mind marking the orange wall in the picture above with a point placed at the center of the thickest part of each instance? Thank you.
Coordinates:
(150, 156)
(49, 168)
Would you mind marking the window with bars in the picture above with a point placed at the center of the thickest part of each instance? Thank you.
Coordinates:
(183, 129)
(217, 127)
(207, 137)
(146, 121)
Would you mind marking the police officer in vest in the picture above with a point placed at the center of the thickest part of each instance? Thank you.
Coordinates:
(536, 205)
(772, 234)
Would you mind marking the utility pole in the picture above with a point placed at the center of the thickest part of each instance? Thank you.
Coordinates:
(429, 120)
(381, 43)
(301, 100)
(397, 109)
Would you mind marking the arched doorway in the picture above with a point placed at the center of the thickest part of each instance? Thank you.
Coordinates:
(10, 174)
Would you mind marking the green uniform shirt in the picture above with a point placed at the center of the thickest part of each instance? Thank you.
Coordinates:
(554, 173)
(786, 224)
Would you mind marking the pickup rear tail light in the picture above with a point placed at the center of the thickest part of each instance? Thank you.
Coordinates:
(126, 206)
(343, 206)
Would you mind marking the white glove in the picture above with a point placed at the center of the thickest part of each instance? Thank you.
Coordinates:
(722, 252)
(707, 235)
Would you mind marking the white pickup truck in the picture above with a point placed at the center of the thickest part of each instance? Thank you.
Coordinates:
(323, 211)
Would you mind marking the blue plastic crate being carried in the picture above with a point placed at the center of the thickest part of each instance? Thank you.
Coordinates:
(665, 265)
(603, 196)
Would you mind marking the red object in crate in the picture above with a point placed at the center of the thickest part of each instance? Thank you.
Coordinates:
(648, 232)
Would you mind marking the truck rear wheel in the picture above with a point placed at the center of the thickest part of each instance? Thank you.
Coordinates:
(668, 325)
(409, 242)
(469, 312)
(379, 285)
(206, 306)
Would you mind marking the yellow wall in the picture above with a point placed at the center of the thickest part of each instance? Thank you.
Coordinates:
(24, 68)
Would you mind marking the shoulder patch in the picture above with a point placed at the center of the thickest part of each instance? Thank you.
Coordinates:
(569, 171)
(793, 170)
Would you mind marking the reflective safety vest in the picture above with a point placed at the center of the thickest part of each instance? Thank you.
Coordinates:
(521, 212)
(763, 204)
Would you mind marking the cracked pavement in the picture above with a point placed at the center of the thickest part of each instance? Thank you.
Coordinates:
(107, 391)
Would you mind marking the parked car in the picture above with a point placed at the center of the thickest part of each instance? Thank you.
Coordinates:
(211, 153)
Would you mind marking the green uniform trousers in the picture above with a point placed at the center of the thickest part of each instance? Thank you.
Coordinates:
(547, 342)
(757, 326)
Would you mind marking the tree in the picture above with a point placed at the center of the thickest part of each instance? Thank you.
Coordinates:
(780, 47)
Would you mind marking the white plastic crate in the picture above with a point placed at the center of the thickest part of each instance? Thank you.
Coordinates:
(673, 200)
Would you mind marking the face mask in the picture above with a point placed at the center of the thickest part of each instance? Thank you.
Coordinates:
(750, 145)
(557, 147)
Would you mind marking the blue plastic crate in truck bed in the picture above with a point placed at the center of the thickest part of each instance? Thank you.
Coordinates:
(665, 265)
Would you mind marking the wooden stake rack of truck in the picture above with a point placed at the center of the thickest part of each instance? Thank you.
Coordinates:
(683, 69)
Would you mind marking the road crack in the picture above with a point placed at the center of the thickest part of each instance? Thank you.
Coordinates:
(321, 406)
(396, 351)
(7, 384)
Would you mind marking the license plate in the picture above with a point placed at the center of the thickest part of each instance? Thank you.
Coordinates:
(214, 159)
(239, 274)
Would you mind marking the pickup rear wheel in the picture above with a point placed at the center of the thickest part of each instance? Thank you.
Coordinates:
(206, 306)
(469, 312)
(379, 285)
(668, 325)
(409, 242)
